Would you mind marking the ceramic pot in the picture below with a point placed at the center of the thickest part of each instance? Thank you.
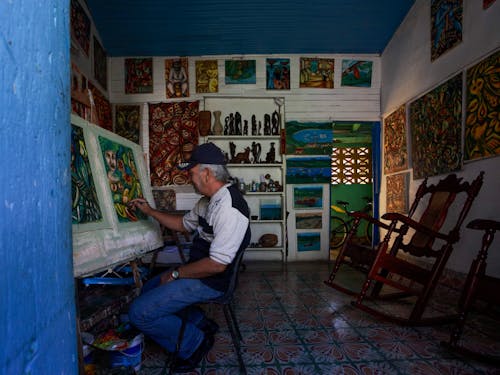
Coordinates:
(217, 128)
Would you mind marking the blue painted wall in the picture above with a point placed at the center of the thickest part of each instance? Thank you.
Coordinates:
(37, 308)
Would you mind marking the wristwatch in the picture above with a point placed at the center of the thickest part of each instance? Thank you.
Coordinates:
(175, 274)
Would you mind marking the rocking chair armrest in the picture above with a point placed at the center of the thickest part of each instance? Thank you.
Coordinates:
(395, 216)
(484, 224)
(367, 217)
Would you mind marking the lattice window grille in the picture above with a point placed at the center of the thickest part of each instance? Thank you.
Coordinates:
(351, 165)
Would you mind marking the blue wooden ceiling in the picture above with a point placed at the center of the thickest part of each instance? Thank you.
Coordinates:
(228, 27)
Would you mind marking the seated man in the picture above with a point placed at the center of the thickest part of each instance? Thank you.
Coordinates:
(220, 220)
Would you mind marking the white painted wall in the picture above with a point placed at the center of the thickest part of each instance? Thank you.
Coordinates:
(407, 73)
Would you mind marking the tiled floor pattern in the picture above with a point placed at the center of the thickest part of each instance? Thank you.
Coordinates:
(292, 323)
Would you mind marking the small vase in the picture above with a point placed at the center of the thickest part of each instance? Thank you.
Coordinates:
(217, 128)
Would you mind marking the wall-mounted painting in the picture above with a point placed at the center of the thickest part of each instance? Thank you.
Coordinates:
(80, 26)
(482, 129)
(207, 76)
(165, 199)
(100, 65)
(278, 74)
(128, 121)
(240, 72)
(356, 73)
(177, 77)
(123, 178)
(308, 220)
(436, 123)
(308, 138)
(101, 111)
(395, 148)
(397, 192)
(309, 241)
(307, 170)
(139, 76)
(487, 3)
(80, 102)
(305, 197)
(316, 72)
(446, 26)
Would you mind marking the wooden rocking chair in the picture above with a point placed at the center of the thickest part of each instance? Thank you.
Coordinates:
(398, 266)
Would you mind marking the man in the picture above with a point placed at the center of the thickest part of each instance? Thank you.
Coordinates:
(220, 221)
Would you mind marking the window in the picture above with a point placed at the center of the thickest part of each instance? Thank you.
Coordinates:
(351, 165)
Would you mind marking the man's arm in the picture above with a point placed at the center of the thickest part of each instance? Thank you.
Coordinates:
(170, 221)
(197, 270)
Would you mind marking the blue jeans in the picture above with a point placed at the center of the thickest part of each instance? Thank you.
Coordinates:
(159, 310)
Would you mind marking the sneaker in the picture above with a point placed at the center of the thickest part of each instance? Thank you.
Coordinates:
(189, 364)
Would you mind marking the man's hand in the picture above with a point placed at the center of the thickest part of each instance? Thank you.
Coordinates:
(140, 203)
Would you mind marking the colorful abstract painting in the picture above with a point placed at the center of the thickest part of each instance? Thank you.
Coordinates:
(173, 134)
(85, 203)
(397, 192)
(482, 121)
(308, 170)
(309, 241)
(305, 197)
(80, 26)
(100, 65)
(435, 123)
(101, 109)
(240, 72)
(278, 74)
(207, 76)
(138, 76)
(395, 148)
(177, 77)
(316, 72)
(123, 178)
(308, 220)
(165, 199)
(308, 138)
(357, 73)
(128, 121)
(446, 26)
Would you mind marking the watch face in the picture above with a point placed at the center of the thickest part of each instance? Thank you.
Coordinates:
(175, 274)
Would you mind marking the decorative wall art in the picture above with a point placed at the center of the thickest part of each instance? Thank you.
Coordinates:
(100, 65)
(128, 121)
(80, 26)
(240, 72)
(177, 77)
(356, 73)
(316, 72)
(308, 220)
(395, 148)
(446, 26)
(207, 76)
(123, 178)
(309, 241)
(173, 134)
(278, 74)
(352, 133)
(165, 199)
(101, 109)
(482, 121)
(308, 170)
(305, 197)
(139, 76)
(397, 192)
(435, 122)
(85, 203)
(487, 3)
(308, 138)
(80, 102)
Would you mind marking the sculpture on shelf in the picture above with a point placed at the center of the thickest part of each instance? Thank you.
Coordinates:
(275, 123)
(254, 125)
(237, 123)
(245, 127)
(242, 157)
(271, 154)
(204, 123)
(231, 124)
(267, 124)
(232, 150)
(259, 131)
(256, 150)
(226, 125)
(217, 129)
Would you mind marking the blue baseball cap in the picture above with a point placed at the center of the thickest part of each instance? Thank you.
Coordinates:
(207, 153)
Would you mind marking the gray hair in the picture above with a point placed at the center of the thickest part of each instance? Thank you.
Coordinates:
(219, 171)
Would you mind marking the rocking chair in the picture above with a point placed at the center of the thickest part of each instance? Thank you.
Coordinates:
(406, 272)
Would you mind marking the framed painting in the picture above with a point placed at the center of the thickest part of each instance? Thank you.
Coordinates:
(207, 76)
(100, 65)
(80, 102)
(397, 193)
(395, 145)
(487, 3)
(307, 170)
(128, 121)
(308, 138)
(316, 72)
(80, 26)
(309, 241)
(482, 126)
(101, 111)
(139, 76)
(177, 77)
(436, 124)
(240, 72)
(446, 26)
(356, 73)
(307, 197)
(308, 220)
(278, 74)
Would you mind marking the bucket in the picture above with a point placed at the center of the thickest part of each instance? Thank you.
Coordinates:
(130, 357)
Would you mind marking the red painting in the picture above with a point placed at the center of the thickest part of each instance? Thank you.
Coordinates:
(138, 76)
(101, 109)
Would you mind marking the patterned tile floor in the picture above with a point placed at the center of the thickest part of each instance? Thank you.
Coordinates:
(292, 323)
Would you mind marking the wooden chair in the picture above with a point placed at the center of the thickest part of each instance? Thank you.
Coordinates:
(478, 286)
(399, 265)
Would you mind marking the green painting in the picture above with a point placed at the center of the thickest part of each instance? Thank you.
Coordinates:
(308, 138)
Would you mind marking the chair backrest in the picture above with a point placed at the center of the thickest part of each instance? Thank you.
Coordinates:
(441, 198)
